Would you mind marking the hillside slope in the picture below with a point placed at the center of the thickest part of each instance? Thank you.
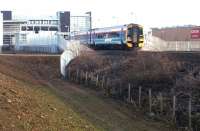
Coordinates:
(33, 97)
(26, 105)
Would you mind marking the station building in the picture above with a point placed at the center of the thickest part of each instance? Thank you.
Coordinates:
(33, 34)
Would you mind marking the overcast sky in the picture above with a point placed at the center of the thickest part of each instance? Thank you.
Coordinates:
(150, 13)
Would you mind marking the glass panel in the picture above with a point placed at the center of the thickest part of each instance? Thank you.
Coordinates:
(53, 29)
(114, 34)
(44, 28)
(30, 28)
(140, 31)
(135, 35)
(129, 32)
(23, 28)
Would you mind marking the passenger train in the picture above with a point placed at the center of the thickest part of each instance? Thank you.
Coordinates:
(119, 37)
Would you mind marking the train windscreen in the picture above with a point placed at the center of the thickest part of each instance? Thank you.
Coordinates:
(140, 31)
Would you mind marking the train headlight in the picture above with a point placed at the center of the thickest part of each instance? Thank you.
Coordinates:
(141, 45)
(130, 45)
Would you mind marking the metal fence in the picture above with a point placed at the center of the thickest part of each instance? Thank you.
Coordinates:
(177, 108)
(44, 42)
(156, 44)
(37, 49)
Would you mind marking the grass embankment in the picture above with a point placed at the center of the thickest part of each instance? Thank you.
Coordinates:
(26, 104)
(33, 97)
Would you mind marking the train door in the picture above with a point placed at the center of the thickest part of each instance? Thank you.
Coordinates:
(132, 36)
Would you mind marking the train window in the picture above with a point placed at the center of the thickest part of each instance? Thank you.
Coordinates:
(114, 34)
(100, 36)
(129, 32)
(32, 22)
(30, 28)
(53, 29)
(135, 30)
(23, 28)
(45, 22)
(36, 29)
(37, 22)
(54, 22)
(140, 31)
(44, 28)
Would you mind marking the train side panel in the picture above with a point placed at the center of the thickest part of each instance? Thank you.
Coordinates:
(128, 36)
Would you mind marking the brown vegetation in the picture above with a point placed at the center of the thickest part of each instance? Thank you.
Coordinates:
(33, 97)
(169, 73)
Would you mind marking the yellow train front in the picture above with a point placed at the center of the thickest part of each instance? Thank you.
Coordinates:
(119, 37)
(134, 36)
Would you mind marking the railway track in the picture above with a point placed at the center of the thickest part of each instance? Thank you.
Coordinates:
(108, 53)
(134, 52)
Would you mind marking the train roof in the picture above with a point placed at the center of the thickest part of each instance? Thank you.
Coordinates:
(113, 28)
(109, 29)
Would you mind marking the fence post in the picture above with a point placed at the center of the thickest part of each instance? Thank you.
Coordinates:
(89, 78)
(97, 80)
(77, 75)
(80, 73)
(102, 82)
(174, 107)
(190, 113)
(108, 87)
(86, 78)
(129, 92)
(81, 76)
(150, 101)
(161, 102)
(140, 92)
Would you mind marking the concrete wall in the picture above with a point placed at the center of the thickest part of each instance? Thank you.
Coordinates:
(72, 49)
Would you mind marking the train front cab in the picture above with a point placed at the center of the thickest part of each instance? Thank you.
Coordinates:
(134, 36)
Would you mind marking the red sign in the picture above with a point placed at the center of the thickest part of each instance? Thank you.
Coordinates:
(195, 33)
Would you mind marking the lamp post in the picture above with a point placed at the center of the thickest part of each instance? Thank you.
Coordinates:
(90, 19)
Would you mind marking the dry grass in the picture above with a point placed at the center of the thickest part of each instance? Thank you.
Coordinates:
(27, 104)
(145, 69)
(37, 99)
(168, 73)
